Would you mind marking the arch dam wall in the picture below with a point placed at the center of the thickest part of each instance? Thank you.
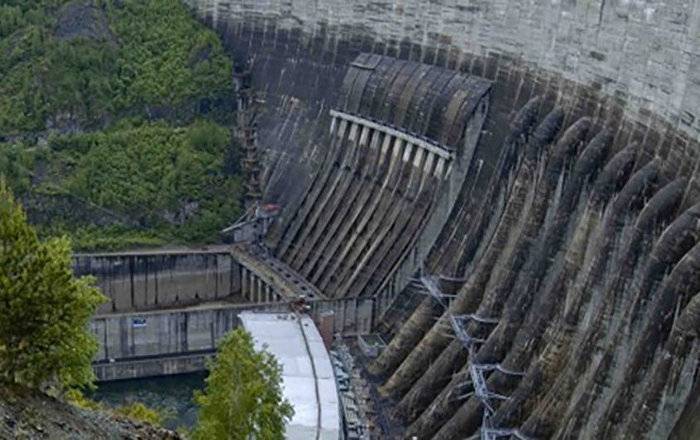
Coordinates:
(633, 63)
(557, 295)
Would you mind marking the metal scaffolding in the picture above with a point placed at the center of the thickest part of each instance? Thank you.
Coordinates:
(476, 372)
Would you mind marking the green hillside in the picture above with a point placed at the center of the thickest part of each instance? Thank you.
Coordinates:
(114, 121)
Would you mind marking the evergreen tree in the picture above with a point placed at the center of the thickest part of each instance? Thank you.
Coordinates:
(243, 397)
(44, 309)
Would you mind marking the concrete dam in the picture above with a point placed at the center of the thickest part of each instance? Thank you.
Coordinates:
(506, 193)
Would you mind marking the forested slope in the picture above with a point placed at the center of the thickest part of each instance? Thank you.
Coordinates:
(114, 121)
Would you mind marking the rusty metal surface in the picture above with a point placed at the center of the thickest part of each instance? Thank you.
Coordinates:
(376, 85)
(434, 92)
(378, 103)
(415, 113)
(437, 119)
(459, 125)
(349, 81)
(409, 92)
(397, 88)
(361, 81)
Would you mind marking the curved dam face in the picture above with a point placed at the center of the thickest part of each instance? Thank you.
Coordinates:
(516, 188)
(402, 137)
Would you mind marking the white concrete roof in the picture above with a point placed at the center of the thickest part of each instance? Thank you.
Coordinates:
(297, 344)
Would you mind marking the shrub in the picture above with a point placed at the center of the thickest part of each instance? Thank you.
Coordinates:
(140, 412)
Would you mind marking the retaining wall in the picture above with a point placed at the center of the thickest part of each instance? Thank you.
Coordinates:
(156, 279)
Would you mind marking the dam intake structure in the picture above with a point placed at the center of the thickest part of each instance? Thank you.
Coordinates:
(489, 193)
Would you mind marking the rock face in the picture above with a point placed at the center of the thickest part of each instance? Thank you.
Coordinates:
(31, 415)
(558, 296)
(80, 19)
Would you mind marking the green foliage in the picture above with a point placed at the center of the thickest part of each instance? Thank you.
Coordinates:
(243, 397)
(135, 411)
(166, 57)
(147, 173)
(120, 63)
(11, 19)
(147, 59)
(44, 309)
(208, 137)
(15, 165)
(110, 238)
(77, 398)
(140, 412)
(168, 182)
(139, 172)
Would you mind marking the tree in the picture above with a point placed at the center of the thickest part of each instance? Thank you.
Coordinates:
(44, 309)
(243, 396)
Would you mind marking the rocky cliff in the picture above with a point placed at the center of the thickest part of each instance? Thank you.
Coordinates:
(26, 414)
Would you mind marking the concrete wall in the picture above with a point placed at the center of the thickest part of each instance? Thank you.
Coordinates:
(465, 172)
(631, 64)
(169, 308)
(644, 53)
(150, 280)
(162, 333)
(151, 367)
(157, 343)
(134, 345)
